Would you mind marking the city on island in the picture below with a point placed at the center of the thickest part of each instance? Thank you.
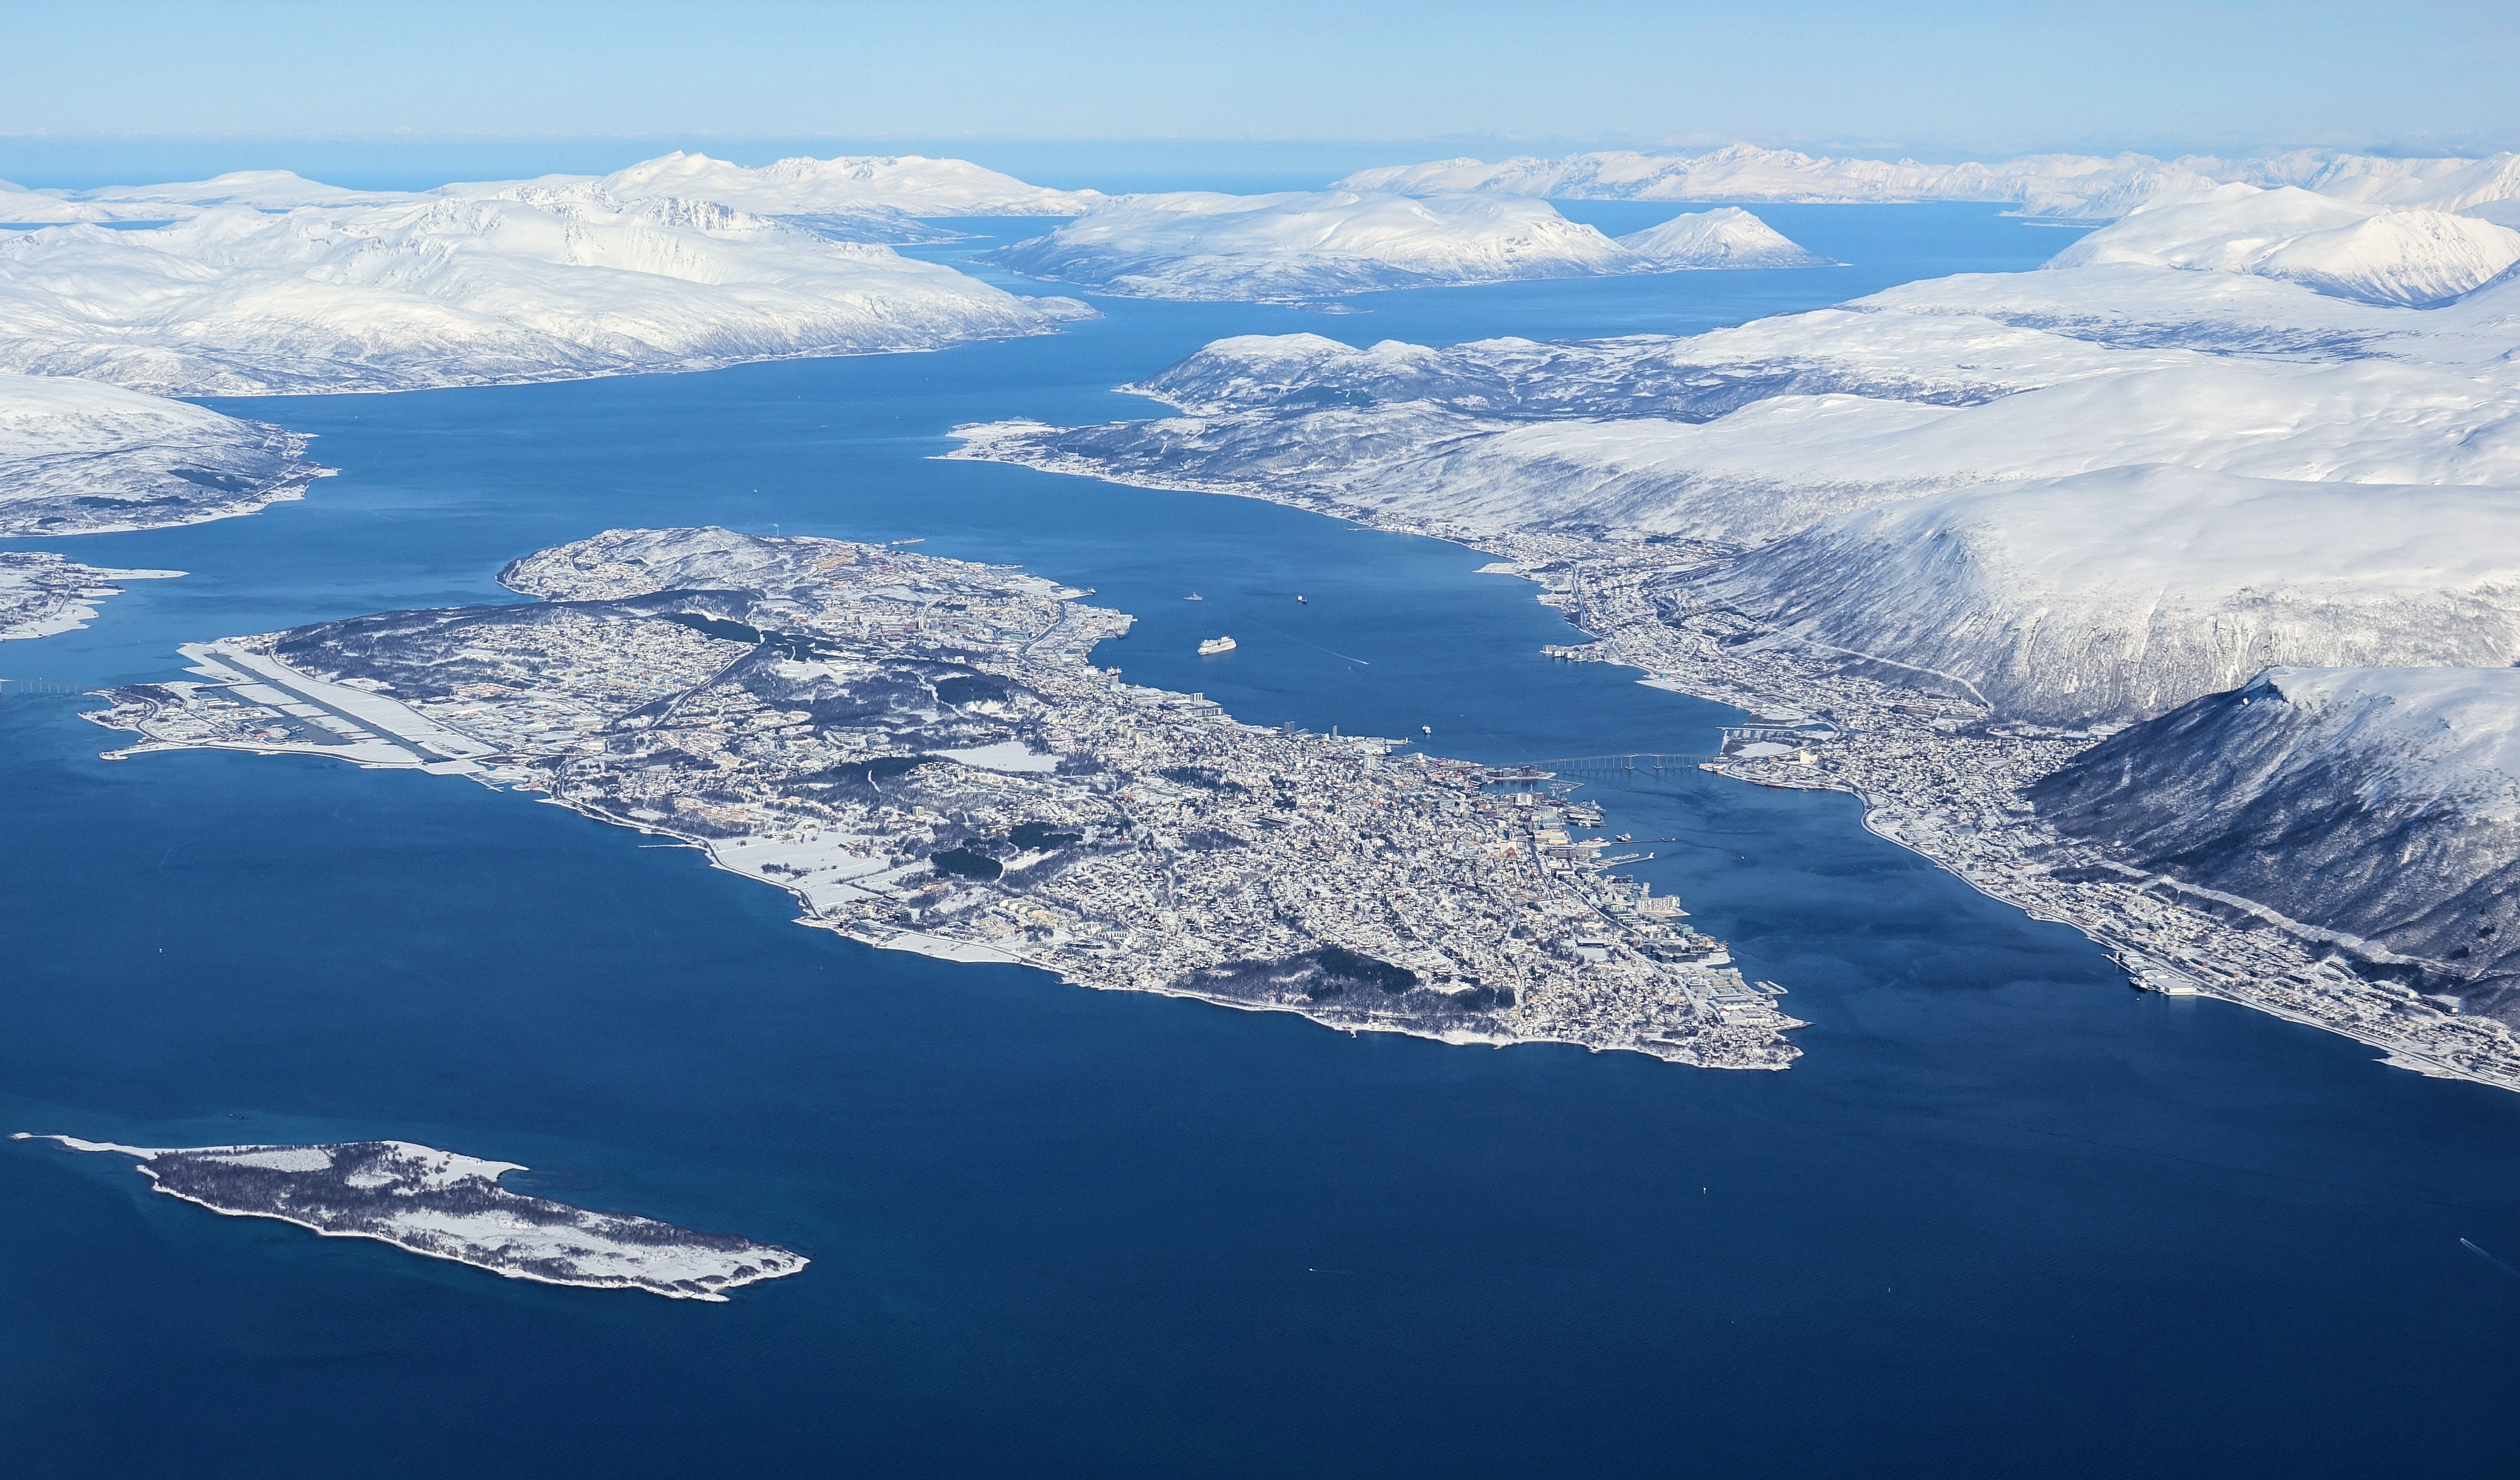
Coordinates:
(920, 750)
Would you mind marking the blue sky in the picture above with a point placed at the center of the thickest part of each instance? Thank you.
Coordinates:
(1304, 81)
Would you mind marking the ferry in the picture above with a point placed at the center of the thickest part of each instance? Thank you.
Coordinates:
(1214, 645)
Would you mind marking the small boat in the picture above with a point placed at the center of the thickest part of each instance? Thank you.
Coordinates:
(1193, 597)
(1214, 645)
(1299, 600)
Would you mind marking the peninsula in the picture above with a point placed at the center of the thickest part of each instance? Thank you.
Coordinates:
(448, 1206)
(42, 594)
(2025, 561)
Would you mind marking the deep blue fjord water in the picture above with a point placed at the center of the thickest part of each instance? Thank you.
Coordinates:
(2006, 1218)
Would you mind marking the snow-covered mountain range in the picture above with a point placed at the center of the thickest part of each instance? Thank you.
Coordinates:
(540, 283)
(1930, 475)
(888, 192)
(2057, 186)
(2374, 253)
(1297, 245)
(257, 189)
(911, 183)
(2380, 803)
(2132, 590)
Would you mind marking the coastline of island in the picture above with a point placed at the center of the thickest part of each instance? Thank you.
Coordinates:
(919, 752)
(443, 1205)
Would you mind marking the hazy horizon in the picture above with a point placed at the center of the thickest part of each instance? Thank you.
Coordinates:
(478, 91)
(42, 164)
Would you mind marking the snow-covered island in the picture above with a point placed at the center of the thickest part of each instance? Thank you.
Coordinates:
(531, 283)
(1295, 247)
(919, 751)
(2056, 187)
(1965, 528)
(450, 1206)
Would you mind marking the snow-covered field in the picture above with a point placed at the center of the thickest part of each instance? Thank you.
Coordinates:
(1201, 246)
(542, 284)
(2059, 187)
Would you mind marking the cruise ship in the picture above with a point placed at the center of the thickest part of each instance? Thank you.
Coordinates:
(1215, 645)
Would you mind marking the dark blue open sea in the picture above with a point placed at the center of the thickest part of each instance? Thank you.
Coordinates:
(2007, 1218)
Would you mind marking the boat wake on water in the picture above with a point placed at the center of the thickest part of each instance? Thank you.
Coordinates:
(1318, 648)
(2489, 1257)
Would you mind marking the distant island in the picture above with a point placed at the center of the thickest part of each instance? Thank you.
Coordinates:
(919, 751)
(1308, 244)
(2049, 187)
(448, 1206)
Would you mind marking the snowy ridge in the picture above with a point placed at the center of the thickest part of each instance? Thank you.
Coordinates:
(2059, 187)
(549, 282)
(256, 189)
(2380, 801)
(1752, 434)
(881, 191)
(2120, 594)
(911, 184)
(2130, 306)
(1199, 244)
(2415, 257)
(80, 458)
(260, 189)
